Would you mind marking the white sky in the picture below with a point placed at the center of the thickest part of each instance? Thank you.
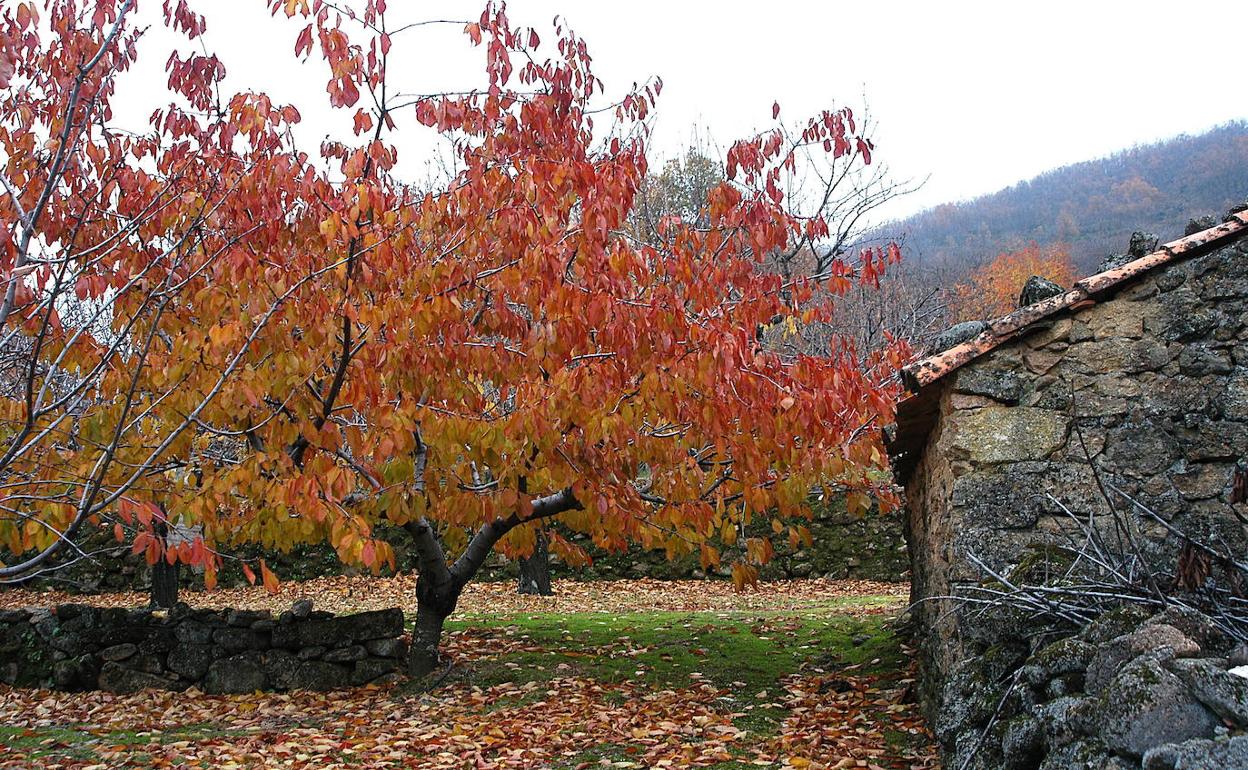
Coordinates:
(972, 95)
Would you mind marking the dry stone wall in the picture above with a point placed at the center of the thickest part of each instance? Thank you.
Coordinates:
(79, 647)
(1148, 388)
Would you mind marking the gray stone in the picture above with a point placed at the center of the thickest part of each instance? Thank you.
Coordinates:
(190, 661)
(1159, 640)
(998, 500)
(1238, 656)
(319, 675)
(1201, 359)
(995, 435)
(1066, 719)
(239, 639)
(1113, 262)
(1146, 705)
(1066, 656)
(386, 648)
(235, 675)
(245, 618)
(1142, 244)
(81, 673)
(1200, 223)
(118, 652)
(370, 669)
(1195, 625)
(958, 333)
(1005, 387)
(311, 653)
(301, 608)
(1221, 691)
(281, 668)
(193, 632)
(378, 624)
(1022, 741)
(116, 678)
(345, 654)
(1084, 754)
(1229, 754)
(1038, 289)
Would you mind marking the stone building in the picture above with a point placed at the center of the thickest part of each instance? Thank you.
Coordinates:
(1131, 386)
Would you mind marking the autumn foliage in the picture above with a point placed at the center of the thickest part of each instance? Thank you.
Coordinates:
(993, 289)
(207, 325)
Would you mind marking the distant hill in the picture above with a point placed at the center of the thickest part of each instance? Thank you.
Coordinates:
(1092, 206)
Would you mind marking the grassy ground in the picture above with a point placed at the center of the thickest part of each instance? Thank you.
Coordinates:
(821, 682)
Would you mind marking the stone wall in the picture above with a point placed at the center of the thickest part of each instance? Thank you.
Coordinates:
(78, 647)
(1149, 387)
(1129, 691)
(871, 547)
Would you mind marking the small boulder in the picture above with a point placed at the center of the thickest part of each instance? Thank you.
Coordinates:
(346, 654)
(1199, 755)
(1200, 223)
(235, 675)
(114, 678)
(190, 661)
(119, 652)
(957, 334)
(1223, 692)
(386, 648)
(1160, 641)
(1038, 289)
(1146, 705)
(1142, 244)
(301, 608)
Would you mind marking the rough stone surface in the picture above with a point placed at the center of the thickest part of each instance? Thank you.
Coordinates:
(1144, 390)
(995, 435)
(75, 647)
(235, 675)
(1037, 289)
(1229, 754)
(1222, 692)
(1145, 705)
(959, 333)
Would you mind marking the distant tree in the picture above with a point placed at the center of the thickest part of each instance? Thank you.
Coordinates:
(680, 189)
(993, 289)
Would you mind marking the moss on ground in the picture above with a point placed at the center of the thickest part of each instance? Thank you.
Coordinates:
(76, 743)
(747, 653)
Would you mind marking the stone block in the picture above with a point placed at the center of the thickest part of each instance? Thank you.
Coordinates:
(1009, 434)
(1145, 705)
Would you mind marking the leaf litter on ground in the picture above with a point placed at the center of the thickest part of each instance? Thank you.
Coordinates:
(579, 714)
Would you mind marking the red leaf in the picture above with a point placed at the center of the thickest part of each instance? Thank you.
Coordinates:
(247, 573)
(269, 579)
(304, 42)
(775, 110)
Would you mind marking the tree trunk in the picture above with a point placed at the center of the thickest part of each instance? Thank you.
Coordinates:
(433, 605)
(164, 592)
(535, 569)
(164, 584)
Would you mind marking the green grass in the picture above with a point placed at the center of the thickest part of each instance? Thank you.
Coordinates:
(71, 742)
(743, 652)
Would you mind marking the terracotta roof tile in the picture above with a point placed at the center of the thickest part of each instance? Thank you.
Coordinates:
(930, 369)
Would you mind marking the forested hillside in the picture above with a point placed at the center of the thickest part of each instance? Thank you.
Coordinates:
(1091, 206)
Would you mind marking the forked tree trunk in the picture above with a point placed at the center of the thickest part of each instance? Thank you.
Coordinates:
(434, 604)
(439, 585)
(535, 569)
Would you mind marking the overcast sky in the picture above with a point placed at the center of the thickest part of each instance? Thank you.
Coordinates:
(971, 96)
